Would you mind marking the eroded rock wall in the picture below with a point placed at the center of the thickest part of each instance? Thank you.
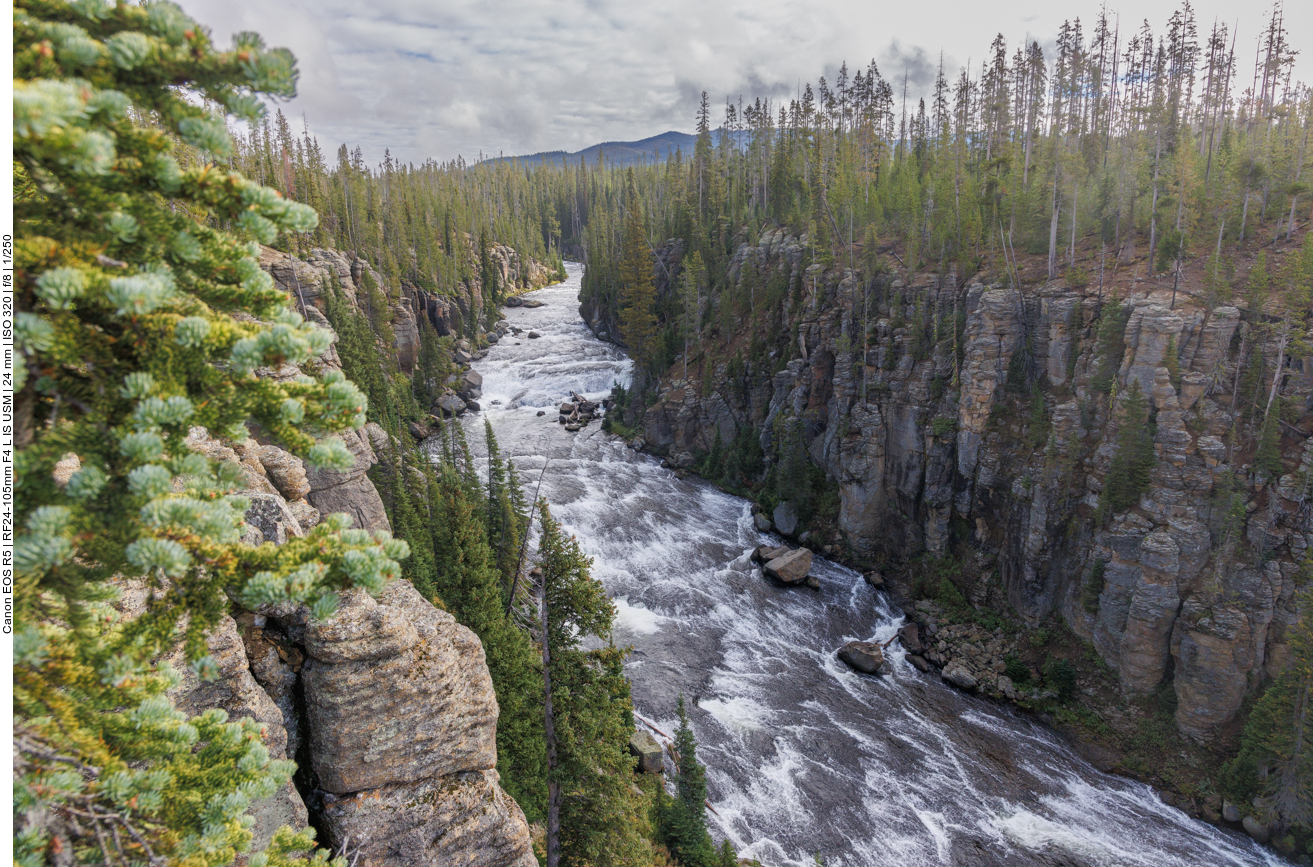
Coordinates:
(915, 395)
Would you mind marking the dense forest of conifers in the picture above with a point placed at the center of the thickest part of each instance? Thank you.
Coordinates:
(1124, 147)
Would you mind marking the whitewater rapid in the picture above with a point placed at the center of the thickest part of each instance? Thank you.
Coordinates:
(803, 756)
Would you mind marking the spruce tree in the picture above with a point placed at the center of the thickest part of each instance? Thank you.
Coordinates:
(136, 322)
(638, 322)
(1128, 476)
(466, 583)
(593, 811)
(684, 820)
(505, 521)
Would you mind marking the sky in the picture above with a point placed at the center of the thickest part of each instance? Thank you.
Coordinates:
(441, 78)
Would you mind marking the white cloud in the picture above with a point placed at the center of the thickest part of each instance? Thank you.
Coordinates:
(437, 79)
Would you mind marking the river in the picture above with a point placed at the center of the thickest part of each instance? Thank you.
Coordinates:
(803, 756)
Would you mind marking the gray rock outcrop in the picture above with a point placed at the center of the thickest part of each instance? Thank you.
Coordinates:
(936, 449)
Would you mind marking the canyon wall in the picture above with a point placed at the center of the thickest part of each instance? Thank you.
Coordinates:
(966, 420)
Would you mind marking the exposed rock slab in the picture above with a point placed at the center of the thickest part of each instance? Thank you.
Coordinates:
(462, 818)
(350, 491)
(396, 691)
(648, 752)
(791, 568)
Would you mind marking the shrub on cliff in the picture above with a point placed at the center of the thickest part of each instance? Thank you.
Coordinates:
(137, 320)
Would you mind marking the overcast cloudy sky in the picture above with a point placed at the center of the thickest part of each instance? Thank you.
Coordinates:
(437, 78)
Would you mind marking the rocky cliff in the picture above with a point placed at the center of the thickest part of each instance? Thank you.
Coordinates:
(387, 706)
(981, 422)
(462, 313)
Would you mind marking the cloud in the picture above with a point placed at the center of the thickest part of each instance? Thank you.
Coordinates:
(437, 78)
(913, 65)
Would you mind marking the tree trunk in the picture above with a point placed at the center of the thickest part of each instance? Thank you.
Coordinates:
(549, 726)
(1053, 233)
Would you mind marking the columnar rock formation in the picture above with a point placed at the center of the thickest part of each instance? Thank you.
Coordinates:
(928, 444)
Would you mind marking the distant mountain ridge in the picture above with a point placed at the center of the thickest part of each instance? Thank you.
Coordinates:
(654, 148)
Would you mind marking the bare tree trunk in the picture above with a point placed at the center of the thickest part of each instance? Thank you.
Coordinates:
(1281, 364)
(1153, 210)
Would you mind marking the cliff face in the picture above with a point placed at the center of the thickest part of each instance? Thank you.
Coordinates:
(970, 423)
(387, 706)
(459, 314)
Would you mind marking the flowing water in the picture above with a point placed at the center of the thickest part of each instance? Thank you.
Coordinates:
(803, 756)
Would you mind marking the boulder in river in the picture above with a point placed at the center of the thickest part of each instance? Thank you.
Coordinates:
(566, 408)
(1255, 829)
(791, 568)
(910, 636)
(875, 579)
(534, 335)
(472, 405)
(786, 518)
(863, 656)
(767, 553)
(761, 522)
(918, 662)
(648, 751)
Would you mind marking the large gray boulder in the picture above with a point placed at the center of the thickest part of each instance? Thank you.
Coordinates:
(270, 515)
(448, 406)
(959, 677)
(350, 491)
(285, 471)
(863, 656)
(648, 752)
(767, 553)
(785, 518)
(791, 568)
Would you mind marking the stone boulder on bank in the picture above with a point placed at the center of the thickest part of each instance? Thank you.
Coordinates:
(648, 752)
(785, 518)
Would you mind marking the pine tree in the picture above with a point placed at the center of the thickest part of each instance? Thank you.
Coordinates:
(593, 812)
(684, 819)
(638, 322)
(1273, 772)
(505, 522)
(467, 585)
(135, 323)
(1128, 476)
